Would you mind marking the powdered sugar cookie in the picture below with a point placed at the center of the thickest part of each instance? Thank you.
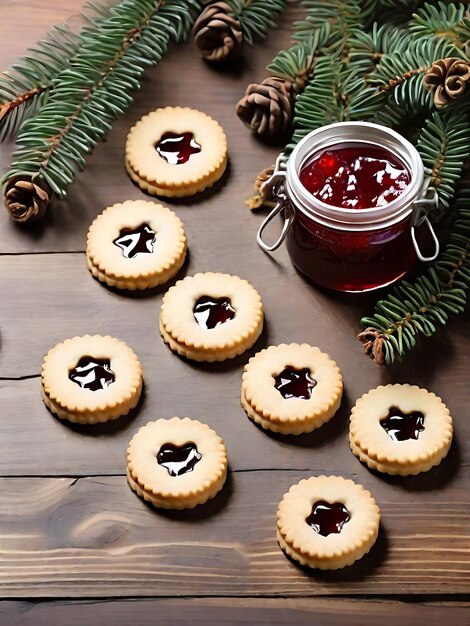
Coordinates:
(211, 317)
(400, 429)
(136, 245)
(176, 463)
(176, 151)
(91, 379)
(327, 522)
(291, 388)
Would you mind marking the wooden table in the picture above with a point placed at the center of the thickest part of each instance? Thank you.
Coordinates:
(72, 534)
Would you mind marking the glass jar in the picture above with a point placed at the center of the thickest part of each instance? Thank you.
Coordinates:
(342, 248)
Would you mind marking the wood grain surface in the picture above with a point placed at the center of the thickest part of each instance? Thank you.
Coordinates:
(70, 528)
(93, 537)
(237, 612)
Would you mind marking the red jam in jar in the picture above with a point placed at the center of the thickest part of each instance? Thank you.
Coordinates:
(350, 195)
(350, 261)
(359, 177)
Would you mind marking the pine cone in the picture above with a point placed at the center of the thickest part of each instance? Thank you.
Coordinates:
(218, 33)
(26, 200)
(258, 200)
(447, 79)
(267, 108)
(373, 343)
(263, 176)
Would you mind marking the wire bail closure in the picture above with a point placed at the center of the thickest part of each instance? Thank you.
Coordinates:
(421, 217)
(274, 189)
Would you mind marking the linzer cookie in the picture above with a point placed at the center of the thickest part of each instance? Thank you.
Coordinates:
(176, 151)
(291, 389)
(176, 463)
(211, 317)
(91, 379)
(136, 245)
(327, 522)
(400, 429)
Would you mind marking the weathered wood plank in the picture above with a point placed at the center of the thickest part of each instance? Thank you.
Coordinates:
(233, 612)
(94, 538)
(19, 33)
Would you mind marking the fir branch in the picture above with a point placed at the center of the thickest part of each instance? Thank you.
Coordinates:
(420, 308)
(338, 90)
(318, 104)
(340, 15)
(444, 21)
(444, 146)
(256, 16)
(398, 78)
(95, 89)
(410, 59)
(379, 41)
(333, 95)
(298, 62)
(24, 88)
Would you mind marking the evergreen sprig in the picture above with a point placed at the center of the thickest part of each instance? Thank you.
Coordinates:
(297, 63)
(24, 88)
(340, 15)
(444, 145)
(443, 21)
(398, 78)
(96, 87)
(338, 90)
(256, 16)
(334, 94)
(419, 308)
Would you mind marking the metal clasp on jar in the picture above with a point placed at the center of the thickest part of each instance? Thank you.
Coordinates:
(421, 210)
(274, 189)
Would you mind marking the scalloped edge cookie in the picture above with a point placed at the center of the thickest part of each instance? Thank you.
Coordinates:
(337, 550)
(152, 481)
(264, 404)
(105, 260)
(69, 401)
(189, 190)
(397, 470)
(154, 174)
(373, 446)
(182, 333)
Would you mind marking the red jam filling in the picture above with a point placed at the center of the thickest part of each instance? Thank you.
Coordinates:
(92, 373)
(327, 518)
(177, 148)
(211, 312)
(135, 241)
(178, 460)
(356, 177)
(402, 426)
(294, 383)
(350, 261)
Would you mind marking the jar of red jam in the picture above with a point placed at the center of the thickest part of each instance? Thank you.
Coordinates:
(351, 195)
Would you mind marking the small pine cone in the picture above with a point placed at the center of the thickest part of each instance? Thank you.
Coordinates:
(263, 176)
(267, 108)
(26, 200)
(373, 343)
(447, 79)
(218, 33)
(258, 200)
